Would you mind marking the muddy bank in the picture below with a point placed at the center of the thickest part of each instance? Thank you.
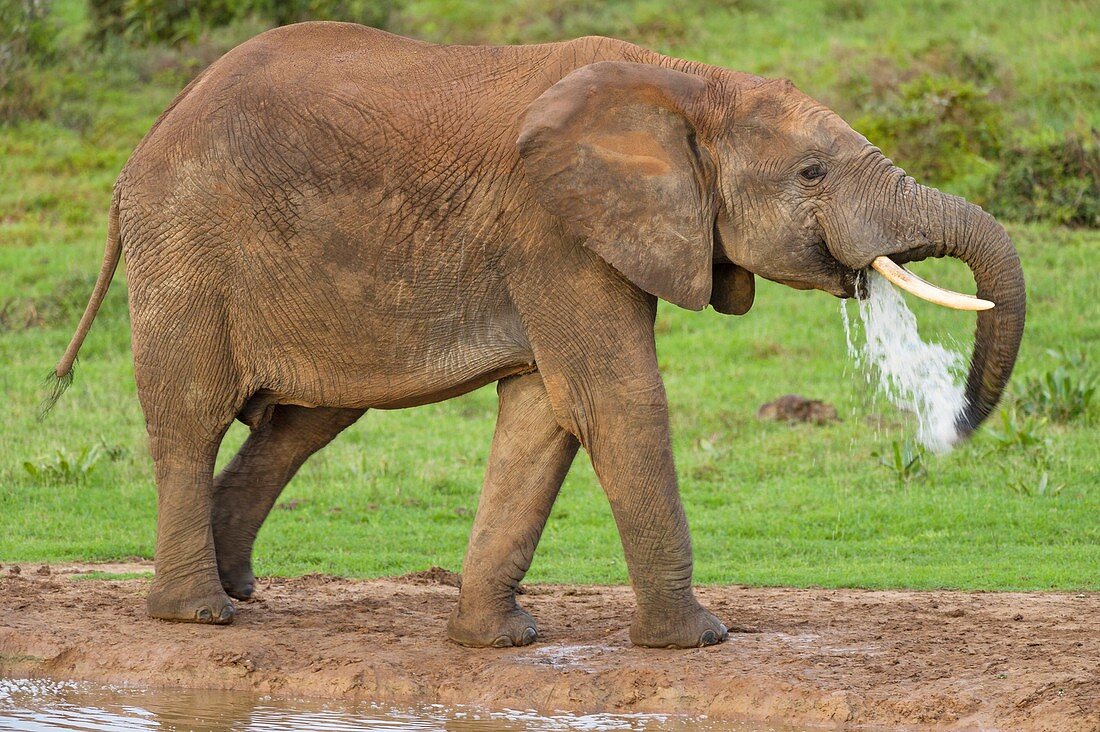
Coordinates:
(1012, 660)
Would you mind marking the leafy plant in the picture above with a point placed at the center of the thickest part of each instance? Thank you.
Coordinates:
(147, 22)
(939, 127)
(1061, 394)
(1022, 434)
(368, 12)
(1050, 181)
(1017, 431)
(905, 460)
(28, 35)
(29, 31)
(61, 467)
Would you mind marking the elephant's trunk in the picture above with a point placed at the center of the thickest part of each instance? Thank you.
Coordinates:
(945, 225)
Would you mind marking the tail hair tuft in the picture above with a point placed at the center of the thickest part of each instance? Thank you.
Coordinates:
(57, 385)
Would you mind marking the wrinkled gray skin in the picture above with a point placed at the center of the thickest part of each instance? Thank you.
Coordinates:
(332, 219)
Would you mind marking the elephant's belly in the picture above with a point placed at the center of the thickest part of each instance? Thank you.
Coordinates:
(392, 360)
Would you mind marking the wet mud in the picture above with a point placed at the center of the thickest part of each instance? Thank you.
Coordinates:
(831, 657)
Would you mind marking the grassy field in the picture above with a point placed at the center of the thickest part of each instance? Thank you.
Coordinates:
(1017, 507)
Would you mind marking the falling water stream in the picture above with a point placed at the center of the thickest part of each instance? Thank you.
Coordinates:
(918, 377)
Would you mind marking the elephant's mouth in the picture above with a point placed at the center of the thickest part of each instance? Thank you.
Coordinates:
(854, 284)
(847, 282)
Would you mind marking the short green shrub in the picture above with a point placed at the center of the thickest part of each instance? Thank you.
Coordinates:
(936, 127)
(940, 116)
(1057, 182)
(1022, 439)
(944, 118)
(282, 12)
(1061, 394)
(28, 39)
(28, 31)
(62, 467)
(147, 22)
(657, 23)
(143, 22)
(1017, 431)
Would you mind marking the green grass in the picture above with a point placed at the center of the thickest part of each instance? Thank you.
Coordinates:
(768, 503)
(112, 576)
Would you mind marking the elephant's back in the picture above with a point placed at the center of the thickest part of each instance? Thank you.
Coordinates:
(308, 88)
(275, 82)
(342, 134)
(315, 102)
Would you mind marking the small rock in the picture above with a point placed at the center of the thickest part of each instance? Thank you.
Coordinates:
(44, 570)
(794, 408)
(956, 613)
(14, 569)
(290, 505)
(1018, 617)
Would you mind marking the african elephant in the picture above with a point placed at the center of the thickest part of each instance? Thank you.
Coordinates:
(331, 219)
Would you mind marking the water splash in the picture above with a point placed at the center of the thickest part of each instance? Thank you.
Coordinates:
(918, 377)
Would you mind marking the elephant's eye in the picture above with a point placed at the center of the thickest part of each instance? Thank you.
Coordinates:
(814, 171)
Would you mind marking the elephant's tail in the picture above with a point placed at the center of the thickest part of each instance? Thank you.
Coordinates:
(62, 376)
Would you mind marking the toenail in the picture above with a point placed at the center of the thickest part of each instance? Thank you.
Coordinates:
(227, 613)
(529, 636)
(709, 638)
(203, 615)
(503, 642)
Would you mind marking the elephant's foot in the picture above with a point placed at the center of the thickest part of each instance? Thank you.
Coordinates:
(186, 602)
(689, 625)
(482, 628)
(238, 580)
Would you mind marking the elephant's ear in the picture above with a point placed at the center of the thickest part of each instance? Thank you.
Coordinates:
(612, 151)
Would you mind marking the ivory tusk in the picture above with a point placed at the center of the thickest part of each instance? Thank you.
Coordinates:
(906, 280)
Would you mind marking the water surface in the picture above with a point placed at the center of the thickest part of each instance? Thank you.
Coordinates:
(40, 704)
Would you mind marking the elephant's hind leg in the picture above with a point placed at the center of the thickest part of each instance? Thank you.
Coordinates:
(528, 461)
(187, 414)
(248, 487)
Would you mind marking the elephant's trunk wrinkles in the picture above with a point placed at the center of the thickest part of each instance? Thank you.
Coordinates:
(945, 225)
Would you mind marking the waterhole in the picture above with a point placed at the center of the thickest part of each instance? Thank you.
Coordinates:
(924, 379)
(40, 704)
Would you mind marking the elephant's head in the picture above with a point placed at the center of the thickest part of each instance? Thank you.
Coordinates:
(691, 184)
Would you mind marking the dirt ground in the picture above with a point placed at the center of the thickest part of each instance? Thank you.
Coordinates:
(817, 657)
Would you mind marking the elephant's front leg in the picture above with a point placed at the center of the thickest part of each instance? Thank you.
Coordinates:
(628, 439)
(529, 459)
(597, 357)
